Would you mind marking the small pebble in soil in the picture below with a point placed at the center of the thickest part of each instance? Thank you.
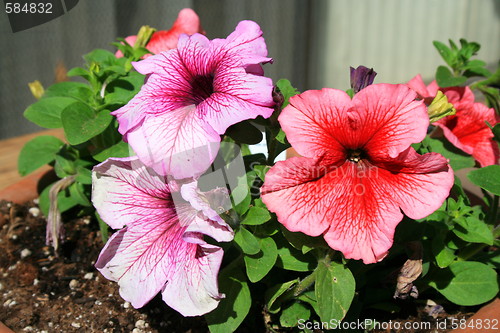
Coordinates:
(1, 286)
(126, 305)
(98, 302)
(35, 282)
(76, 325)
(140, 324)
(25, 253)
(88, 276)
(73, 284)
(34, 211)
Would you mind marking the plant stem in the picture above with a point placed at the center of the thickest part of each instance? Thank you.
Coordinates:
(494, 210)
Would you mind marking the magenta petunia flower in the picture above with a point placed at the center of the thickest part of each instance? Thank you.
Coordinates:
(187, 22)
(161, 248)
(192, 95)
(467, 129)
(358, 171)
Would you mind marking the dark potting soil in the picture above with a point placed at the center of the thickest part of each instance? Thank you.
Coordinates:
(41, 292)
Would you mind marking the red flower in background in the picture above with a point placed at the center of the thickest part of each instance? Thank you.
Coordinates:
(187, 22)
(467, 129)
(359, 171)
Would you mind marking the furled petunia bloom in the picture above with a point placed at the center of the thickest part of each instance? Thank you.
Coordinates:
(187, 22)
(161, 248)
(358, 170)
(467, 129)
(192, 95)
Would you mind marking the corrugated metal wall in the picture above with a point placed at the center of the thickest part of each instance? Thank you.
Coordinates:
(395, 36)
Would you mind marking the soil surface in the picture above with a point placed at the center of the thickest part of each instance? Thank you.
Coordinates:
(42, 292)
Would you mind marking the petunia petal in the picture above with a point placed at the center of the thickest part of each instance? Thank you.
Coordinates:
(193, 291)
(379, 120)
(177, 143)
(468, 131)
(296, 192)
(315, 120)
(127, 191)
(419, 183)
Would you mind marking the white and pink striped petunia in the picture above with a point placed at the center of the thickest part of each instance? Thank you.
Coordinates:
(161, 246)
(192, 95)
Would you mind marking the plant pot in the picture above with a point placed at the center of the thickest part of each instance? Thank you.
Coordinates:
(488, 313)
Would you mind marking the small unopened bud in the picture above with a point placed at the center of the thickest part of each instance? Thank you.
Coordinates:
(440, 107)
(143, 36)
(36, 89)
(361, 77)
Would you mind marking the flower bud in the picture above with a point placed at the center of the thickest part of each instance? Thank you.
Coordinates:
(361, 77)
(143, 37)
(36, 89)
(440, 107)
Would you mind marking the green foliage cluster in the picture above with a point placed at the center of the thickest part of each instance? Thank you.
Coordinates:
(288, 276)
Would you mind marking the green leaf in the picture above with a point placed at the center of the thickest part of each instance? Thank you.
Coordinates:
(466, 283)
(246, 241)
(458, 159)
(258, 265)
(47, 111)
(468, 49)
(241, 195)
(77, 192)
(273, 294)
(444, 255)
(261, 170)
(334, 289)
(292, 259)
(77, 90)
(445, 78)
(472, 229)
(78, 71)
(122, 90)
(281, 137)
(256, 216)
(232, 309)
(287, 90)
(84, 175)
(303, 242)
(496, 132)
(121, 149)
(100, 56)
(446, 53)
(81, 122)
(38, 152)
(103, 227)
(291, 315)
(487, 178)
(245, 132)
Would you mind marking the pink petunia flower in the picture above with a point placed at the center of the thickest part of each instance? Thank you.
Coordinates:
(358, 171)
(187, 22)
(192, 95)
(467, 129)
(161, 248)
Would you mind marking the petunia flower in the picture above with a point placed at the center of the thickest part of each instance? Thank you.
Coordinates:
(187, 22)
(161, 246)
(358, 172)
(192, 95)
(467, 129)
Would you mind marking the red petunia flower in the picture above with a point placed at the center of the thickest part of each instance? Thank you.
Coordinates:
(187, 22)
(467, 129)
(358, 171)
